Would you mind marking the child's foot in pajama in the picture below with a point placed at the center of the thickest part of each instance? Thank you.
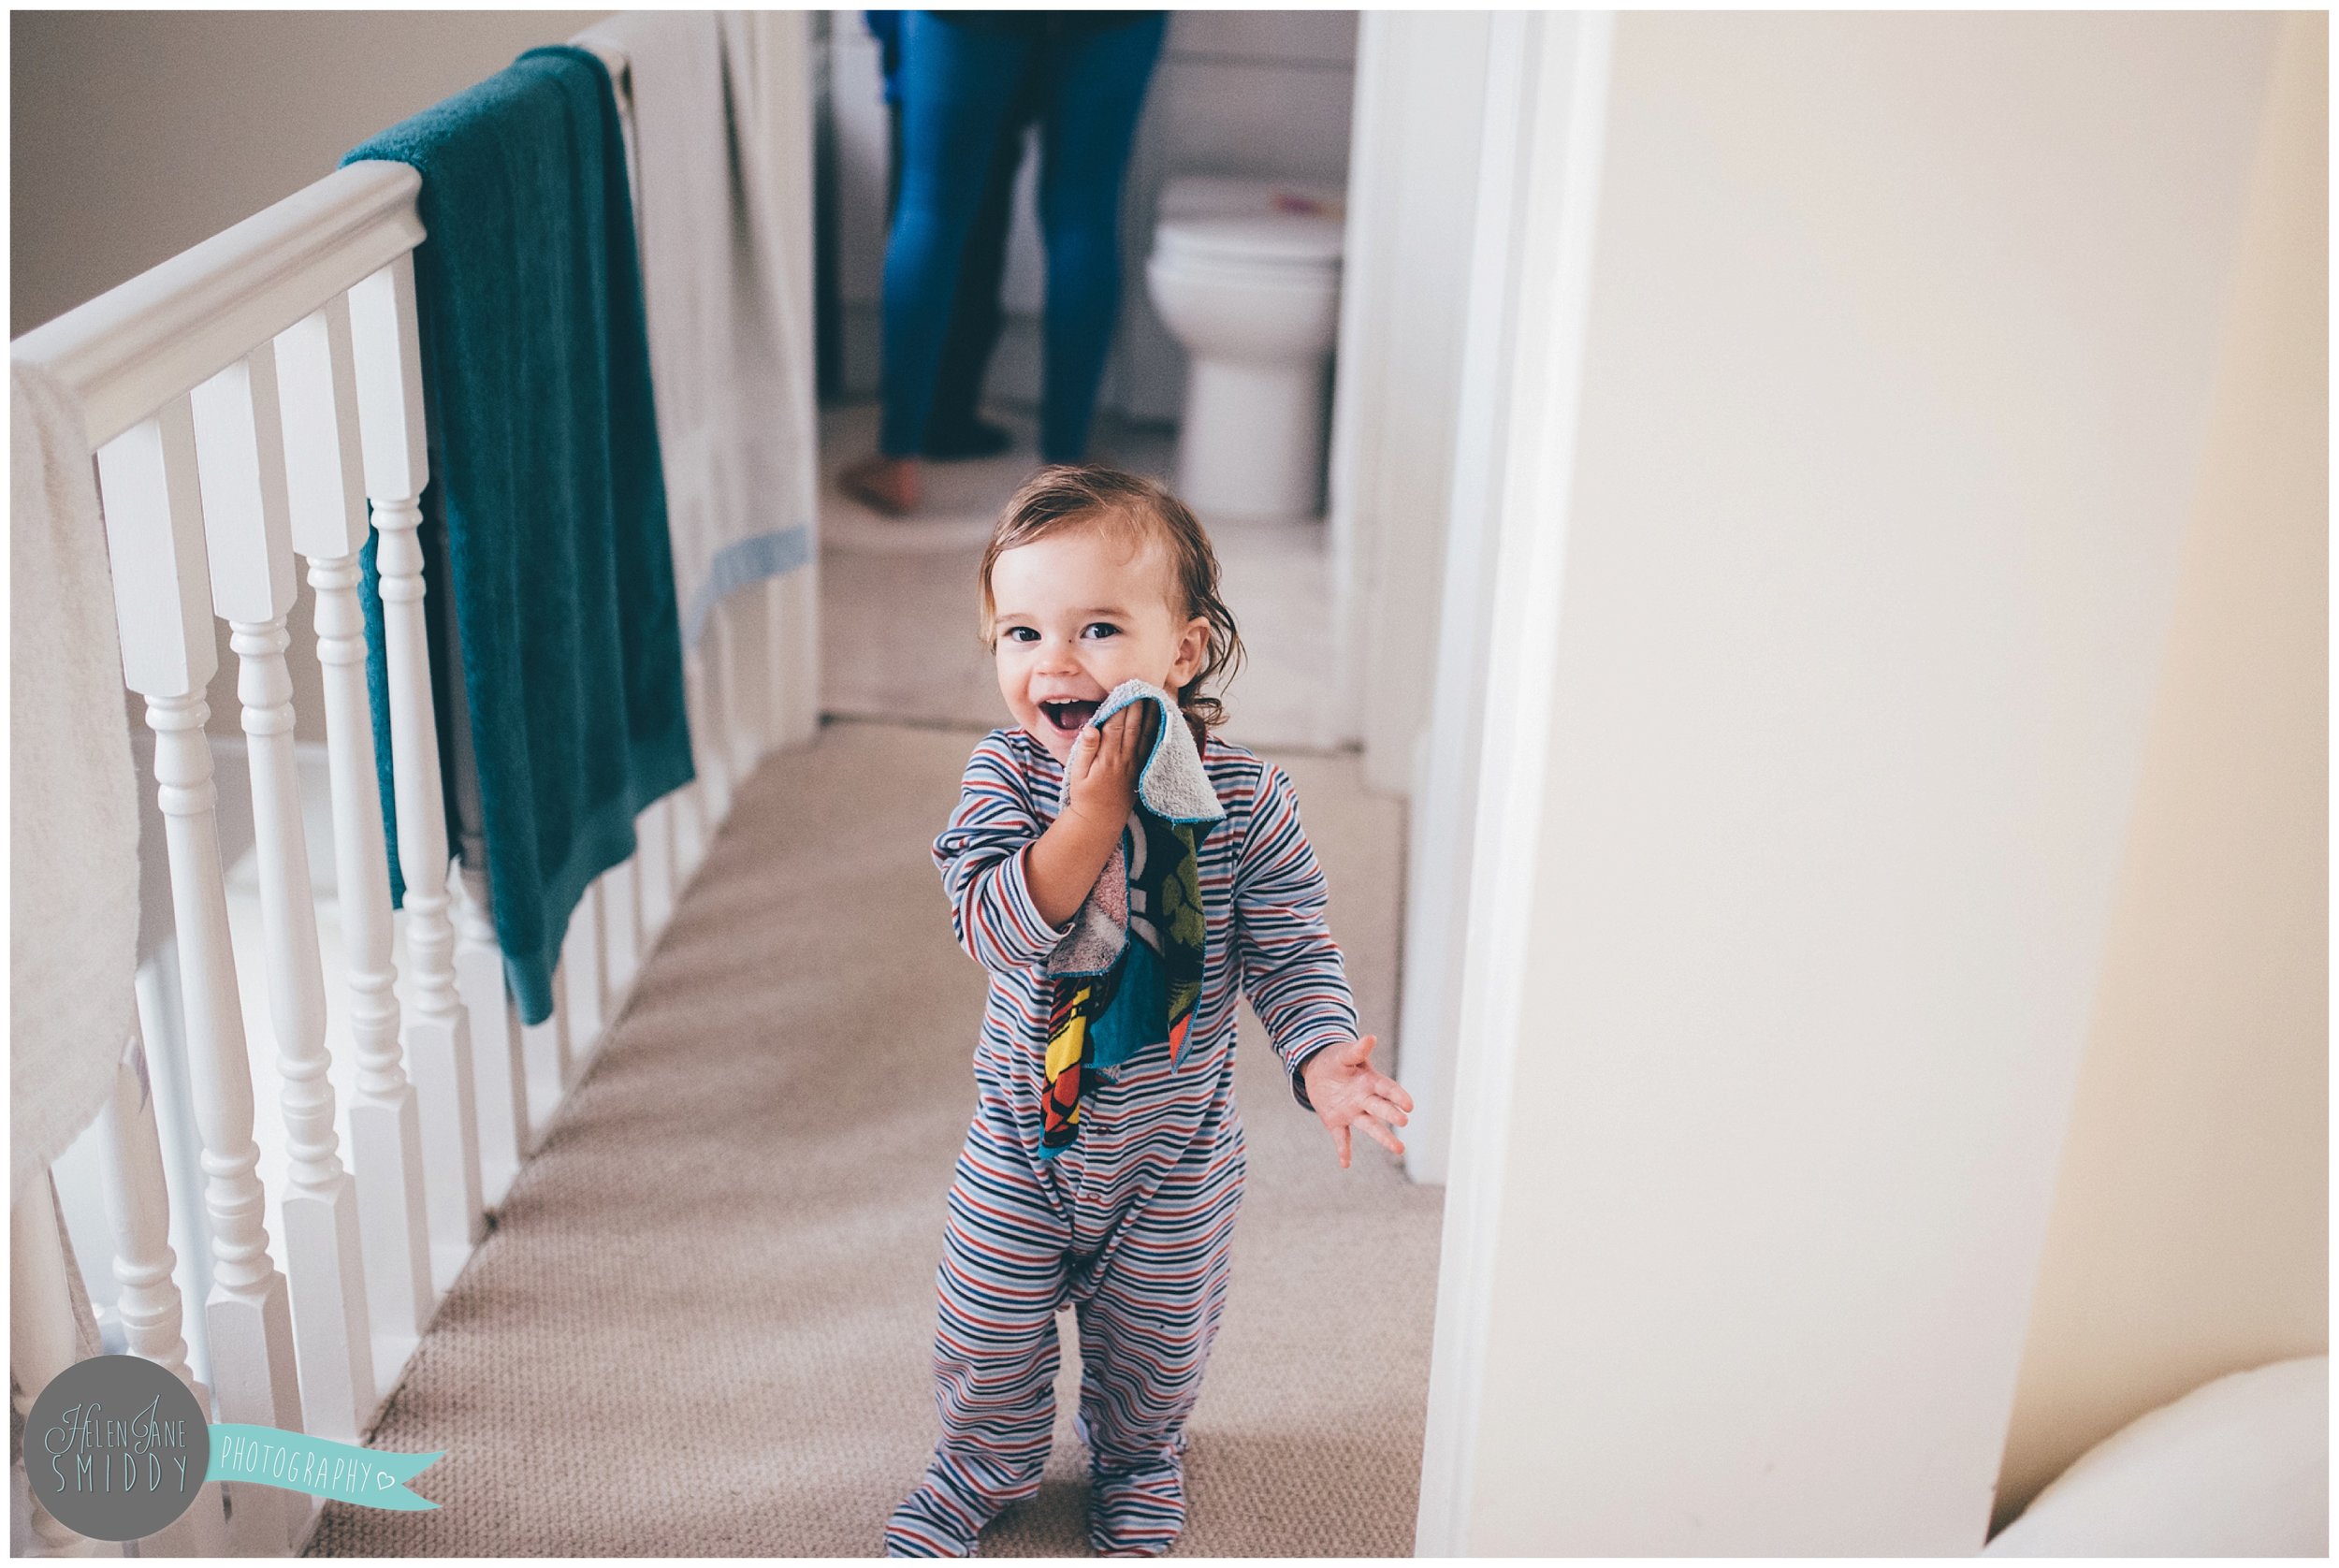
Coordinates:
(931, 1523)
(1136, 1516)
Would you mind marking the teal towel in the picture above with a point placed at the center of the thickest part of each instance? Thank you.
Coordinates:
(544, 522)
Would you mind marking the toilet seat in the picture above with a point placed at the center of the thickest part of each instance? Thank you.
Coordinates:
(1262, 225)
(1269, 241)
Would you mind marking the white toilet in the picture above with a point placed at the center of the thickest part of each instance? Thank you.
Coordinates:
(1247, 276)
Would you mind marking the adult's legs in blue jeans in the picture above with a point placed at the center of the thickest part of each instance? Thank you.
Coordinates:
(955, 426)
(958, 88)
(1092, 87)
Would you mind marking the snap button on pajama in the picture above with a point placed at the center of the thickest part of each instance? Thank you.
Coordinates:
(1133, 1222)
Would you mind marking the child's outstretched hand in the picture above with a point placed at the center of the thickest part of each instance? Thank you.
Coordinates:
(1348, 1093)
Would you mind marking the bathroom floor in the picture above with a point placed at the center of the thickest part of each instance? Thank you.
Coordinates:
(900, 601)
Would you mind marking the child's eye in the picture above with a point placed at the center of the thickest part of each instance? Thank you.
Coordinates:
(1104, 628)
(1021, 634)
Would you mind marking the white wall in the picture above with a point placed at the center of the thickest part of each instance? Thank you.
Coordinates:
(2190, 1234)
(1262, 94)
(1901, 333)
(138, 134)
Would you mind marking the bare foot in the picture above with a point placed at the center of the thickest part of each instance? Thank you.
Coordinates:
(883, 484)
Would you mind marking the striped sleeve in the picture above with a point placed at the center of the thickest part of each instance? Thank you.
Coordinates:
(981, 854)
(1291, 969)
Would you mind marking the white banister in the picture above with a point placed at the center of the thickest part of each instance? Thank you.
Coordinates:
(245, 401)
(653, 859)
(545, 1046)
(386, 336)
(621, 924)
(325, 479)
(154, 514)
(138, 1207)
(239, 455)
(43, 1338)
(162, 1029)
(583, 961)
(137, 346)
(689, 821)
(501, 1087)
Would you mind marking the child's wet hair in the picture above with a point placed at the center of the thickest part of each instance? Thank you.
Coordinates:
(1068, 496)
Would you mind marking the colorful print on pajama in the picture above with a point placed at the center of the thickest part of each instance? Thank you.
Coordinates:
(1133, 1222)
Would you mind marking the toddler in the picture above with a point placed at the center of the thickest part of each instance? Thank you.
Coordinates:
(1112, 1184)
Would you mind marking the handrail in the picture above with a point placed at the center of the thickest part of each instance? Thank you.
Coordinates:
(136, 346)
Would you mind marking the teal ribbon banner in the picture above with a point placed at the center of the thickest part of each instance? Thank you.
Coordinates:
(272, 1457)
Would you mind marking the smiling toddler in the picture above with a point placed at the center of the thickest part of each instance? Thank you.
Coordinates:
(1117, 1194)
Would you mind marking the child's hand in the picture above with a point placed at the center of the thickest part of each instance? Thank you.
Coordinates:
(1101, 775)
(1348, 1093)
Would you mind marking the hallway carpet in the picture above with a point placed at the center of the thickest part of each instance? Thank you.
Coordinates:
(901, 594)
(701, 1326)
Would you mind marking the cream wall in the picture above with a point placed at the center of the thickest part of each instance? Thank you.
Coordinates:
(1901, 337)
(2189, 1236)
(136, 133)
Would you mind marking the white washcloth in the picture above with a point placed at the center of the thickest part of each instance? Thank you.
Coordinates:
(73, 834)
(731, 360)
(1172, 784)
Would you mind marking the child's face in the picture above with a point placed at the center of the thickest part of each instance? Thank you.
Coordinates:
(1078, 612)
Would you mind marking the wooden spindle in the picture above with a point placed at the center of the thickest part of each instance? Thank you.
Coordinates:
(546, 1047)
(240, 453)
(160, 1022)
(154, 537)
(388, 360)
(324, 469)
(43, 1339)
(138, 1206)
(691, 833)
(622, 926)
(588, 985)
(653, 862)
(501, 1088)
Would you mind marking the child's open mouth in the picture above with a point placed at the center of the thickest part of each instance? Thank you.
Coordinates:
(1069, 713)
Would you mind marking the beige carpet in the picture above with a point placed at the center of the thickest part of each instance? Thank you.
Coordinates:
(899, 601)
(701, 1326)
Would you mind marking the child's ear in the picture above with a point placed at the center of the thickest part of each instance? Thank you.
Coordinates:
(1193, 647)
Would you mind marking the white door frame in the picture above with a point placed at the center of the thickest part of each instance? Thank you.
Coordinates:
(1478, 778)
(1483, 782)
